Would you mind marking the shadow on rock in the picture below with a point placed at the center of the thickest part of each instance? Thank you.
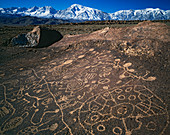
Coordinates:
(39, 37)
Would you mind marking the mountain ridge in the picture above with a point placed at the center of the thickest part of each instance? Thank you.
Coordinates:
(79, 12)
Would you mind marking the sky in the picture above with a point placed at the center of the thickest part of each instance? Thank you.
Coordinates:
(108, 6)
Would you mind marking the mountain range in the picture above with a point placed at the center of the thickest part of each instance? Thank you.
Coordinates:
(79, 12)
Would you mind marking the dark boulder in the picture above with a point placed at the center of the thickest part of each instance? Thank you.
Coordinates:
(20, 40)
(38, 37)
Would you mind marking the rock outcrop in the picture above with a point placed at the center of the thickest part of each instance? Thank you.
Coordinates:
(144, 38)
(38, 37)
(89, 87)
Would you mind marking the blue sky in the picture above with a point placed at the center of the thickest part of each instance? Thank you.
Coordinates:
(104, 5)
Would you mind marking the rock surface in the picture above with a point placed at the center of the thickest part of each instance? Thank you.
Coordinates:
(143, 38)
(38, 37)
(89, 87)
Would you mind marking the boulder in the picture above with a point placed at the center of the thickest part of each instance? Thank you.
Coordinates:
(19, 40)
(38, 37)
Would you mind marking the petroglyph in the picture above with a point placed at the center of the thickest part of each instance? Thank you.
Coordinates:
(13, 123)
(123, 108)
(90, 92)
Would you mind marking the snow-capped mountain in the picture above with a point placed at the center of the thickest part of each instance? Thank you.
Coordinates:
(45, 12)
(79, 12)
(144, 14)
